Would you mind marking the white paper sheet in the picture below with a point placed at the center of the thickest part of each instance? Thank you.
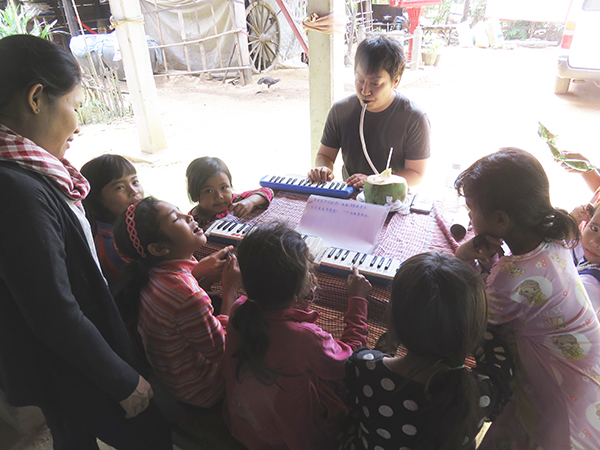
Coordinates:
(341, 223)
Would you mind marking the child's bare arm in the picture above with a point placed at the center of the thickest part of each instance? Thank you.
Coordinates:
(209, 269)
(591, 178)
(357, 285)
(482, 247)
(583, 213)
(243, 207)
(231, 281)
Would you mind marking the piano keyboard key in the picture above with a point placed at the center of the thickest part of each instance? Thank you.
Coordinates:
(377, 269)
(306, 186)
(227, 232)
(333, 260)
(231, 233)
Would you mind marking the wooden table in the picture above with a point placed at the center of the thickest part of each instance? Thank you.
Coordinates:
(401, 237)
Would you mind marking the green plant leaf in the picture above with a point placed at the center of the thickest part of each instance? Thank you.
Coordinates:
(577, 164)
(15, 20)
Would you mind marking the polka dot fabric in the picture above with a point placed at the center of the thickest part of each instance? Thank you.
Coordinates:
(390, 412)
(385, 421)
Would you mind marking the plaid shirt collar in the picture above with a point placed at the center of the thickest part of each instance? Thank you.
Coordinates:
(28, 154)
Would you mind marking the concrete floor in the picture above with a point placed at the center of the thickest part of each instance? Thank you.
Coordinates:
(38, 440)
(9, 438)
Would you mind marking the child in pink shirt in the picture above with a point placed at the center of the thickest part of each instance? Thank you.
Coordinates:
(278, 363)
(209, 185)
(536, 296)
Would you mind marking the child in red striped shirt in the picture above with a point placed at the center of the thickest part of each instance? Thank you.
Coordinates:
(209, 185)
(114, 185)
(182, 339)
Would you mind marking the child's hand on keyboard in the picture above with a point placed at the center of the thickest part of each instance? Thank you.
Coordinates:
(358, 285)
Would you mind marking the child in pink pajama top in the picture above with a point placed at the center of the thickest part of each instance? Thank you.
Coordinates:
(536, 296)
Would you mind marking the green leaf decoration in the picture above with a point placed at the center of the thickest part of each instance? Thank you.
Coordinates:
(577, 164)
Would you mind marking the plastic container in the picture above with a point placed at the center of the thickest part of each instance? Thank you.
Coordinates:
(452, 175)
(450, 195)
(460, 224)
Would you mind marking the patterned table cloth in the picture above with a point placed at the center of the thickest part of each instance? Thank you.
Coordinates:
(401, 237)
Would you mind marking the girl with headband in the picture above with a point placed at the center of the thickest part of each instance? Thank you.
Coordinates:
(183, 341)
(114, 185)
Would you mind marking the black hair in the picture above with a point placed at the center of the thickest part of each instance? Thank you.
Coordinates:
(512, 180)
(28, 60)
(381, 52)
(200, 170)
(274, 262)
(147, 227)
(99, 172)
(438, 312)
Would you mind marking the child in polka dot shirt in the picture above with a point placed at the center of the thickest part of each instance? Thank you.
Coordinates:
(428, 398)
(536, 296)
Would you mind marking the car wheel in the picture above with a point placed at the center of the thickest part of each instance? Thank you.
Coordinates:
(562, 85)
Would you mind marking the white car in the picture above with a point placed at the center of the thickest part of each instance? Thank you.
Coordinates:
(580, 44)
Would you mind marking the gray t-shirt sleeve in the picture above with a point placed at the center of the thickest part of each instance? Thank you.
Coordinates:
(418, 137)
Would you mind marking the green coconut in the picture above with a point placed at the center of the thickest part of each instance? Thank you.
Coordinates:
(379, 187)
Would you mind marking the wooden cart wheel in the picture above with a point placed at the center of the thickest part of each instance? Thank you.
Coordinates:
(263, 36)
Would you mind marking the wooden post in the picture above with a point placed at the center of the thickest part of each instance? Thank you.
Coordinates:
(129, 24)
(465, 15)
(70, 16)
(416, 52)
(326, 70)
(414, 14)
(243, 54)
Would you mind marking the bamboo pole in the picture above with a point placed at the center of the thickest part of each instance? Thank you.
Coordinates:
(129, 24)
(162, 41)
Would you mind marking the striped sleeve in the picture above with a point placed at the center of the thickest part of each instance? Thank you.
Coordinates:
(264, 192)
(195, 321)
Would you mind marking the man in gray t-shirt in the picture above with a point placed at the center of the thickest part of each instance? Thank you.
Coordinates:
(391, 121)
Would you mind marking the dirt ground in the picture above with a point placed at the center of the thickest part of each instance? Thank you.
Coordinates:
(253, 130)
(478, 100)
